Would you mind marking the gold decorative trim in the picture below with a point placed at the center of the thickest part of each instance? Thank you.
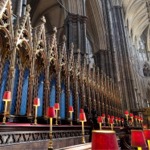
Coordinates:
(103, 131)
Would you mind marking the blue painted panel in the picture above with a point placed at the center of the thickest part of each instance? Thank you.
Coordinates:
(78, 104)
(3, 84)
(62, 101)
(24, 93)
(52, 92)
(71, 98)
(14, 96)
(40, 94)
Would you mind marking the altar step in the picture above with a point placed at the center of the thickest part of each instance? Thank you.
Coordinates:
(86, 146)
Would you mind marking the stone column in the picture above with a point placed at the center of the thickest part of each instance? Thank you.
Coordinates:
(24, 3)
(19, 8)
(118, 50)
(76, 31)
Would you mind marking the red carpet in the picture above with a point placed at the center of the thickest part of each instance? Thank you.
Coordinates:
(32, 125)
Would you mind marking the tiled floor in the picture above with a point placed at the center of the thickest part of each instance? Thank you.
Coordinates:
(86, 146)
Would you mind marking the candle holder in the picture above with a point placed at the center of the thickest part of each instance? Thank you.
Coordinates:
(83, 138)
(122, 121)
(126, 115)
(99, 120)
(56, 106)
(82, 119)
(138, 120)
(6, 99)
(36, 104)
(51, 115)
(103, 119)
(116, 120)
(141, 122)
(131, 116)
(71, 111)
(135, 118)
(108, 120)
(35, 116)
(111, 123)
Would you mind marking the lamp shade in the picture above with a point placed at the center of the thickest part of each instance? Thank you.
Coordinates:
(81, 111)
(7, 96)
(71, 109)
(103, 115)
(82, 117)
(111, 121)
(104, 140)
(36, 101)
(56, 106)
(99, 119)
(147, 134)
(108, 116)
(135, 116)
(126, 112)
(131, 115)
(50, 112)
(112, 118)
(141, 119)
(138, 139)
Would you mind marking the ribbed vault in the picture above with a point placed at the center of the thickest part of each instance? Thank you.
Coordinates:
(137, 17)
(52, 11)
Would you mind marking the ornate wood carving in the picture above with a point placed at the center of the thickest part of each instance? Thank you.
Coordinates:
(70, 72)
(15, 137)
(63, 70)
(42, 56)
(37, 62)
(89, 88)
(6, 25)
(98, 103)
(19, 93)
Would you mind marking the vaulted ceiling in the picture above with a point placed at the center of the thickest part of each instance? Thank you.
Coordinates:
(137, 19)
(52, 11)
(56, 11)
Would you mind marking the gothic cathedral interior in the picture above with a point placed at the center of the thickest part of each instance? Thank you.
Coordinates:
(90, 55)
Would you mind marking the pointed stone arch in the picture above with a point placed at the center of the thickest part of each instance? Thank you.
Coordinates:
(95, 25)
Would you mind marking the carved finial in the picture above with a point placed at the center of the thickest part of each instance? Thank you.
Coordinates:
(28, 8)
(78, 50)
(72, 45)
(98, 69)
(55, 30)
(64, 38)
(94, 65)
(43, 19)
